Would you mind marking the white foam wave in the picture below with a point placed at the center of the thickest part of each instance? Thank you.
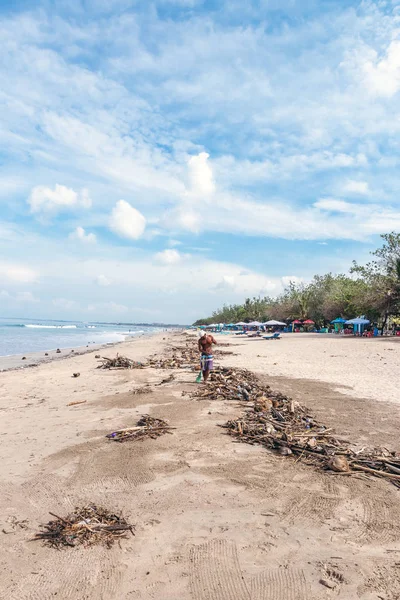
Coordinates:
(33, 326)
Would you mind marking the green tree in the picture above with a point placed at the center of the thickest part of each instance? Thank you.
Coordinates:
(382, 277)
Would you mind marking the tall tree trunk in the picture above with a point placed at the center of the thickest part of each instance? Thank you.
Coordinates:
(384, 322)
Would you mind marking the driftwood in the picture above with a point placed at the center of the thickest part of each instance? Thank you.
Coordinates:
(119, 362)
(277, 422)
(146, 427)
(88, 525)
(234, 384)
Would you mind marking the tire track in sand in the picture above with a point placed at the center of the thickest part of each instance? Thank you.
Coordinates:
(280, 584)
(314, 506)
(48, 492)
(215, 572)
(114, 467)
(90, 574)
(377, 513)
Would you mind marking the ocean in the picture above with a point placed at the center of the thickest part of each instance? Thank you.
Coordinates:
(21, 336)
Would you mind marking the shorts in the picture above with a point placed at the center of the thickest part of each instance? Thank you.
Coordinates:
(207, 362)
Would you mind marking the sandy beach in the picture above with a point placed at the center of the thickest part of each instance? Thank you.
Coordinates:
(215, 520)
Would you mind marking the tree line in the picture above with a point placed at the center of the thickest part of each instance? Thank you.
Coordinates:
(372, 290)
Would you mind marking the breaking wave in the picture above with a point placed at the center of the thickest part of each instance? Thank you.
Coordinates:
(33, 326)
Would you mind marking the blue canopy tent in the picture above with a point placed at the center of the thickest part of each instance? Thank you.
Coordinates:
(338, 323)
(359, 323)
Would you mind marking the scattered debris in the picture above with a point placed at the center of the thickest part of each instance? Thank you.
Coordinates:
(88, 525)
(144, 389)
(179, 357)
(77, 402)
(329, 584)
(15, 524)
(334, 575)
(46, 353)
(231, 384)
(167, 379)
(58, 351)
(97, 355)
(23, 358)
(146, 427)
(279, 423)
(75, 374)
(217, 353)
(120, 362)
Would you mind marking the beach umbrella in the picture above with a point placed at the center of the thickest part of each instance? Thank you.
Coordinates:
(254, 323)
(241, 323)
(297, 322)
(338, 320)
(358, 321)
(308, 322)
(273, 322)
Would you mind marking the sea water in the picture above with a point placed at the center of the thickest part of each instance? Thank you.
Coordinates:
(20, 336)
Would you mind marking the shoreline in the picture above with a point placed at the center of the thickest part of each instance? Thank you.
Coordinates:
(14, 362)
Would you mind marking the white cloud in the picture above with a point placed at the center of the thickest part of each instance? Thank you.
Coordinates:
(126, 221)
(26, 297)
(108, 307)
(17, 273)
(168, 257)
(382, 77)
(64, 303)
(357, 187)
(226, 283)
(80, 234)
(201, 175)
(43, 199)
(103, 280)
(331, 204)
(20, 297)
(185, 218)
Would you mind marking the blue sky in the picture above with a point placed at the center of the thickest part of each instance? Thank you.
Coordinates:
(160, 158)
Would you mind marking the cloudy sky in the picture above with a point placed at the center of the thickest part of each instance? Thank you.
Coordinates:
(160, 158)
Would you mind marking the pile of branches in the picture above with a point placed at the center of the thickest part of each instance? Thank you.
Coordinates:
(231, 384)
(88, 525)
(178, 357)
(119, 362)
(146, 427)
(280, 424)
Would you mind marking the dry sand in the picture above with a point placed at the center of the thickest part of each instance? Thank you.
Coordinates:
(215, 520)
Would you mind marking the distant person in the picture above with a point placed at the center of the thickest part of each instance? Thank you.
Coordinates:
(205, 348)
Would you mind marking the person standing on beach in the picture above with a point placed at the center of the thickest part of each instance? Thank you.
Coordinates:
(205, 348)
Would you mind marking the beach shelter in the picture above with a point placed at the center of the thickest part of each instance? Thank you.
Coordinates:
(254, 324)
(274, 323)
(295, 322)
(338, 323)
(359, 323)
(241, 324)
(308, 323)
